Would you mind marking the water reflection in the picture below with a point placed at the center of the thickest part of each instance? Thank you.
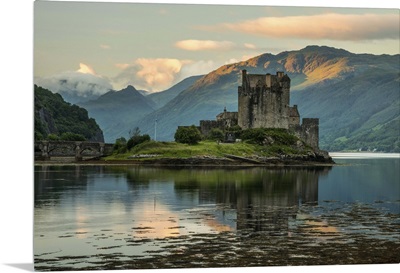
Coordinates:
(86, 213)
(155, 198)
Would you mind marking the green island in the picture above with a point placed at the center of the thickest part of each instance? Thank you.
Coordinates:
(257, 146)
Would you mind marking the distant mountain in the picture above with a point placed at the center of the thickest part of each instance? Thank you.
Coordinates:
(162, 98)
(55, 116)
(144, 92)
(356, 96)
(117, 112)
(76, 97)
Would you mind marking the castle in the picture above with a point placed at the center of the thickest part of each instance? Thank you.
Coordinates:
(263, 102)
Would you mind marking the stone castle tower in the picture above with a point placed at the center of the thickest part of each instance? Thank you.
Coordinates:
(264, 102)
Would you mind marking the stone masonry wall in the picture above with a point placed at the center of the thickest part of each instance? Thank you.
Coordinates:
(263, 101)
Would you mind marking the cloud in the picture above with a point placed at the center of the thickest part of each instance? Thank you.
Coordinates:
(197, 45)
(197, 68)
(156, 75)
(85, 69)
(149, 74)
(330, 26)
(250, 46)
(105, 46)
(82, 83)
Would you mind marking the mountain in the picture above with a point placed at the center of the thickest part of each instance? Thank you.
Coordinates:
(117, 112)
(75, 97)
(163, 97)
(356, 96)
(55, 116)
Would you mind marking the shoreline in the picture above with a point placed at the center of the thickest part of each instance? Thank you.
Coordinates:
(193, 162)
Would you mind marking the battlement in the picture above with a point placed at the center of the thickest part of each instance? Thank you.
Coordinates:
(268, 81)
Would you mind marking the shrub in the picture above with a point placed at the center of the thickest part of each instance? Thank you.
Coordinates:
(68, 136)
(216, 134)
(137, 139)
(255, 135)
(188, 135)
(120, 145)
(53, 137)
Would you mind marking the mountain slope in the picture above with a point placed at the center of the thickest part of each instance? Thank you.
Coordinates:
(350, 93)
(55, 116)
(163, 97)
(118, 111)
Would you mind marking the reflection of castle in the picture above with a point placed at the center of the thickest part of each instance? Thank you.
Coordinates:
(270, 199)
(263, 102)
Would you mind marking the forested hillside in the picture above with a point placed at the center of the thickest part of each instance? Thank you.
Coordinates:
(56, 119)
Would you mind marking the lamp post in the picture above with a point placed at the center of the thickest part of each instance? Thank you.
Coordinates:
(155, 130)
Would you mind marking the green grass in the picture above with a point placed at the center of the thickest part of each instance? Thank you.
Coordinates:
(205, 148)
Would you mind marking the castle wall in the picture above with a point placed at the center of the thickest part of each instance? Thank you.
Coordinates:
(263, 106)
(294, 116)
(310, 132)
(207, 125)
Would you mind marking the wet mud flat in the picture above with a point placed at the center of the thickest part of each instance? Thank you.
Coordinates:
(330, 233)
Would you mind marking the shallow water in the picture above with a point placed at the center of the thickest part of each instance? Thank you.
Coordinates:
(125, 217)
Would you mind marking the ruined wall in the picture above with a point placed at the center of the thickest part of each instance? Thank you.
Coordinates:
(294, 116)
(207, 125)
(263, 101)
(308, 131)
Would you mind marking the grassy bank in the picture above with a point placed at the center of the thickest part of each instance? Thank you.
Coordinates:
(205, 148)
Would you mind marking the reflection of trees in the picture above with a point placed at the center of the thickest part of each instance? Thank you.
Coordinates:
(264, 199)
(50, 182)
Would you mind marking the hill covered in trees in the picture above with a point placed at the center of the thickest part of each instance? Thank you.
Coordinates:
(57, 119)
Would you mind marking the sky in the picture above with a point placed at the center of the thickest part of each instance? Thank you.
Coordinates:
(19, 62)
(103, 45)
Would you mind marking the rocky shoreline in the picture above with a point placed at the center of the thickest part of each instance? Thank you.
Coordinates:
(319, 158)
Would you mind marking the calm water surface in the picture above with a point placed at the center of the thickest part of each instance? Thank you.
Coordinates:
(125, 217)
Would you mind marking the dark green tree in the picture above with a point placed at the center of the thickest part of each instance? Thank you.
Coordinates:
(254, 135)
(68, 136)
(216, 134)
(136, 140)
(189, 135)
(120, 145)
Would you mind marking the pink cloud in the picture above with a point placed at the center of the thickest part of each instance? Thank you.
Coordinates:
(330, 26)
(197, 45)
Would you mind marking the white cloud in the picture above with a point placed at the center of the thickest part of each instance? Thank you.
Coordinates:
(198, 45)
(103, 46)
(323, 26)
(85, 69)
(81, 83)
(156, 75)
(250, 46)
(149, 74)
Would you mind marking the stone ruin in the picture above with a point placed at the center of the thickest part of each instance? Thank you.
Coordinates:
(264, 102)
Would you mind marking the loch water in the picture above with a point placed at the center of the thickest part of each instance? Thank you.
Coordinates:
(127, 217)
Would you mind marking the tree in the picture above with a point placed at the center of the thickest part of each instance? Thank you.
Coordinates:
(254, 135)
(216, 134)
(68, 136)
(53, 137)
(120, 145)
(136, 140)
(188, 135)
